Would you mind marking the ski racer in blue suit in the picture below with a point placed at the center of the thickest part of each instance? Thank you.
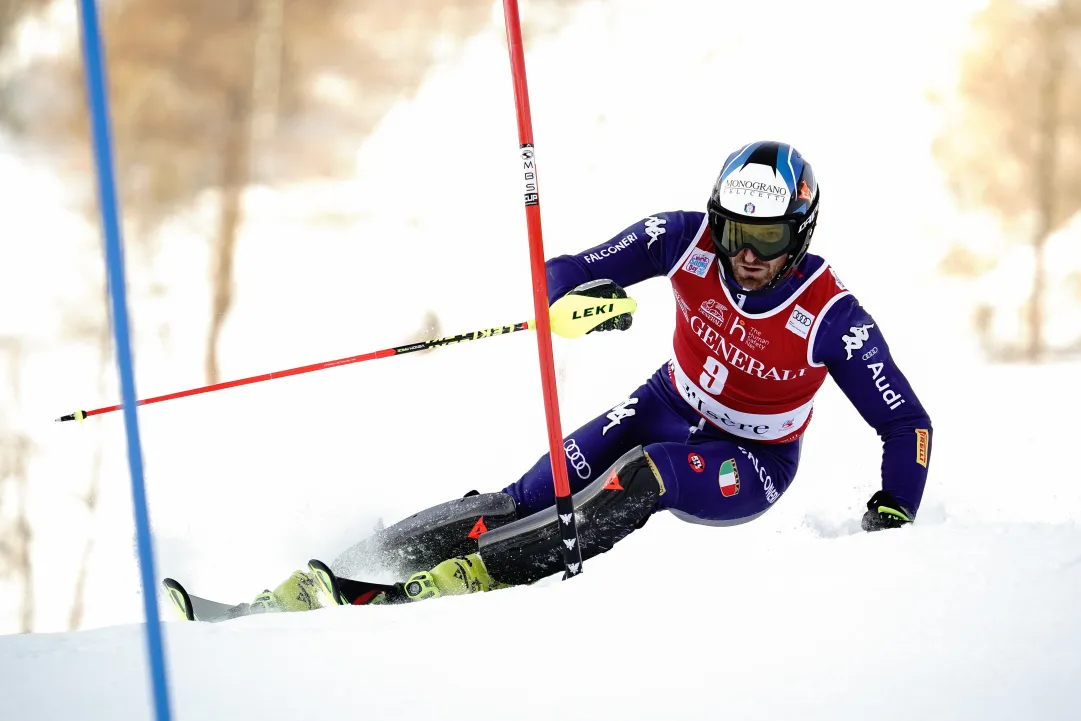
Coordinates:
(714, 435)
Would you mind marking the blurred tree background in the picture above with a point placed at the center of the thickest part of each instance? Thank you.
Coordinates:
(1013, 147)
(208, 98)
(15, 448)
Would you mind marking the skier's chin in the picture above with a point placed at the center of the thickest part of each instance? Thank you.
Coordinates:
(754, 279)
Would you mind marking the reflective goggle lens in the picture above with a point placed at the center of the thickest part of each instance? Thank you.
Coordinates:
(767, 241)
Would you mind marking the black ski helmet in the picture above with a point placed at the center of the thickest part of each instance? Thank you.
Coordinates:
(765, 199)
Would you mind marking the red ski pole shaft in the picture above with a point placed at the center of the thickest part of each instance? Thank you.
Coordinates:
(398, 350)
(572, 555)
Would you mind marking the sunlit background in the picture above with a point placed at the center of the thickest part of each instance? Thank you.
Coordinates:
(303, 180)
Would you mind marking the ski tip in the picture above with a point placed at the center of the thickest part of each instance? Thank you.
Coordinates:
(180, 598)
(327, 581)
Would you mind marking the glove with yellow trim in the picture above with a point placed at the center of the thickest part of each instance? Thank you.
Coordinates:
(883, 511)
(604, 288)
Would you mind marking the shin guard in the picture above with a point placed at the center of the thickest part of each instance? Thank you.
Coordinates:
(427, 538)
(606, 511)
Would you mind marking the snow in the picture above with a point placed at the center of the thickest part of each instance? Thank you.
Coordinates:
(970, 613)
(946, 620)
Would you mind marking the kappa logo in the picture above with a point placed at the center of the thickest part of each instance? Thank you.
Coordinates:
(699, 263)
(696, 462)
(855, 341)
(654, 229)
(617, 414)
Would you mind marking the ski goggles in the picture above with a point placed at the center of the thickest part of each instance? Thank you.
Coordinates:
(766, 240)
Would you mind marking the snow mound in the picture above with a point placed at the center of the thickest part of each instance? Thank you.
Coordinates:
(943, 621)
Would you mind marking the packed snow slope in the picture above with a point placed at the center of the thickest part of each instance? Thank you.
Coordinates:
(955, 618)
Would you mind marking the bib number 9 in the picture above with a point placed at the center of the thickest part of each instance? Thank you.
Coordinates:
(713, 376)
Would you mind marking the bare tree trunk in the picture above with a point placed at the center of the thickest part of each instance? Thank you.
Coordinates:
(23, 563)
(78, 603)
(235, 175)
(14, 459)
(1045, 174)
(90, 500)
(267, 73)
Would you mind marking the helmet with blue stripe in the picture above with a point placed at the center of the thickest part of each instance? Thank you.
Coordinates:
(765, 200)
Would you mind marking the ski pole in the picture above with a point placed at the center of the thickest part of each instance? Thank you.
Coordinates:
(571, 316)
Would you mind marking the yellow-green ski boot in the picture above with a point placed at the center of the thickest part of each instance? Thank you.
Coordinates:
(299, 592)
(453, 577)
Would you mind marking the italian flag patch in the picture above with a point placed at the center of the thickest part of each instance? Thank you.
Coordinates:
(729, 478)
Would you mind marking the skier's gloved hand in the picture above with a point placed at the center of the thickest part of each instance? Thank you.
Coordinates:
(604, 288)
(883, 511)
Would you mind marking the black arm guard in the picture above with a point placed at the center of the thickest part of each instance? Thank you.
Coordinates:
(427, 538)
(606, 511)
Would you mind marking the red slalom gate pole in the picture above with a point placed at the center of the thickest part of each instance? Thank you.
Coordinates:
(572, 553)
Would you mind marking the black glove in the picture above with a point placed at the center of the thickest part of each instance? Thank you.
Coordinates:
(883, 511)
(604, 288)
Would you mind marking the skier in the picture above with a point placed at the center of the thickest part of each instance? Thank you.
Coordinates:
(713, 436)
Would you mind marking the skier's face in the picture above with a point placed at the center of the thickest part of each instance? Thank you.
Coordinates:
(751, 272)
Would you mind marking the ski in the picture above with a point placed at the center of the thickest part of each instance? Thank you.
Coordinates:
(338, 591)
(194, 608)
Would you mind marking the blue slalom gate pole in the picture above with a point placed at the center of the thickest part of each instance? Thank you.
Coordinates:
(97, 98)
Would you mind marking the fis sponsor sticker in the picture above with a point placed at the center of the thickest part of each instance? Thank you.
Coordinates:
(729, 478)
(696, 462)
(529, 174)
(800, 321)
(923, 439)
(699, 263)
